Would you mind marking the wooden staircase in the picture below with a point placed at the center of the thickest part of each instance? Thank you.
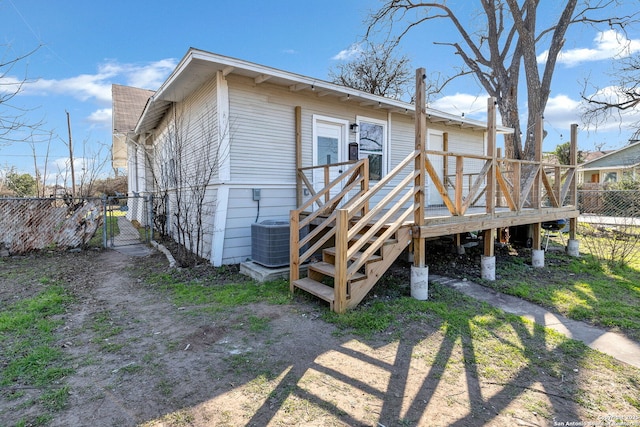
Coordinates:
(358, 243)
(321, 276)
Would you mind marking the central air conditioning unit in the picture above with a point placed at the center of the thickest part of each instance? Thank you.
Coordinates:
(270, 243)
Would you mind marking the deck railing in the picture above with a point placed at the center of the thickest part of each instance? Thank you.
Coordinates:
(529, 184)
(460, 180)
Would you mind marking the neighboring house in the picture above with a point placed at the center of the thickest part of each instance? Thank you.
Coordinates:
(128, 103)
(253, 126)
(612, 166)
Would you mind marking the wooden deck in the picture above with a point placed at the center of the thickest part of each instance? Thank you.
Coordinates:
(357, 239)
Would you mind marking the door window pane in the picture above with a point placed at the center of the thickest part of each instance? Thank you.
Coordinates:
(371, 144)
(327, 150)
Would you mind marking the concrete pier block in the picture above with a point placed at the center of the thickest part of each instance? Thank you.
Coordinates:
(573, 247)
(537, 258)
(488, 267)
(420, 282)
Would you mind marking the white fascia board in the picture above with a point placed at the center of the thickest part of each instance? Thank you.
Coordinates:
(605, 168)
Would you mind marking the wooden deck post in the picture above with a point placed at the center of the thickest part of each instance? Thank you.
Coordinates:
(419, 269)
(573, 192)
(298, 125)
(573, 246)
(420, 180)
(294, 248)
(537, 254)
(488, 260)
(536, 196)
(498, 188)
(491, 152)
(294, 225)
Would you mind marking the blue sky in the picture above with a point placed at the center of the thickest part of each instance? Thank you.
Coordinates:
(88, 45)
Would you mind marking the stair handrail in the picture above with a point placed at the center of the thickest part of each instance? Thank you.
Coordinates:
(326, 190)
(346, 245)
(356, 175)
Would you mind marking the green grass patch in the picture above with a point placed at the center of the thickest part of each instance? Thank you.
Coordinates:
(365, 322)
(26, 335)
(258, 324)
(112, 226)
(207, 291)
(579, 288)
(28, 346)
(56, 399)
(106, 330)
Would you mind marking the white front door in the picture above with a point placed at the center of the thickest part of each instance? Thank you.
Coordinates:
(329, 147)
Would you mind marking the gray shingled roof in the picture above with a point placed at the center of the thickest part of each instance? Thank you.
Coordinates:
(128, 103)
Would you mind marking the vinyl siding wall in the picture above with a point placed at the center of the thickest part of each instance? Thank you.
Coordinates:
(262, 134)
(186, 146)
(261, 130)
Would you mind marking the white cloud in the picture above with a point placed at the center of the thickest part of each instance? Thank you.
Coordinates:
(150, 76)
(353, 51)
(472, 106)
(626, 119)
(10, 85)
(290, 51)
(82, 87)
(561, 112)
(97, 86)
(102, 117)
(608, 44)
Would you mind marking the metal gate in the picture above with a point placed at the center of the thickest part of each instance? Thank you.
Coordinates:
(128, 220)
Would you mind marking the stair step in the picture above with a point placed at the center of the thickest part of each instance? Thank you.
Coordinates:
(330, 270)
(357, 255)
(374, 238)
(318, 289)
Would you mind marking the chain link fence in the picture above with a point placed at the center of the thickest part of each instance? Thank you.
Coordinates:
(609, 224)
(609, 203)
(28, 224)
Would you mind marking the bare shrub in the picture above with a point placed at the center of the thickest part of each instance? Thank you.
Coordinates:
(617, 244)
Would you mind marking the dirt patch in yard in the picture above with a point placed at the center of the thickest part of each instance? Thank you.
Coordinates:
(140, 359)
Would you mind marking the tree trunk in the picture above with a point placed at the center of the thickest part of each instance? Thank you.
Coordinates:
(510, 118)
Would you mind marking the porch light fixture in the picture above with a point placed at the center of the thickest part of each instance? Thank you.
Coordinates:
(353, 127)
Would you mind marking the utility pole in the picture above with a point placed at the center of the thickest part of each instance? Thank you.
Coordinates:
(73, 175)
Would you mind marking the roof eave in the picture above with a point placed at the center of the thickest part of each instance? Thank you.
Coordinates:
(167, 92)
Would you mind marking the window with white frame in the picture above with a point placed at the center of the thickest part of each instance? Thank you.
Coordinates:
(610, 177)
(372, 137)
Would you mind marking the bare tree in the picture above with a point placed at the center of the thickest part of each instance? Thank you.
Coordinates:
(41, 176)
(184, 164)
(376, 69)
(621, 98)
(507, 41)
(93, 163)
(15, 126)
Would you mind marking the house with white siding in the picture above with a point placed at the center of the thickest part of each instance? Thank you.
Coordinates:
(249, 112)
(251, 143)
